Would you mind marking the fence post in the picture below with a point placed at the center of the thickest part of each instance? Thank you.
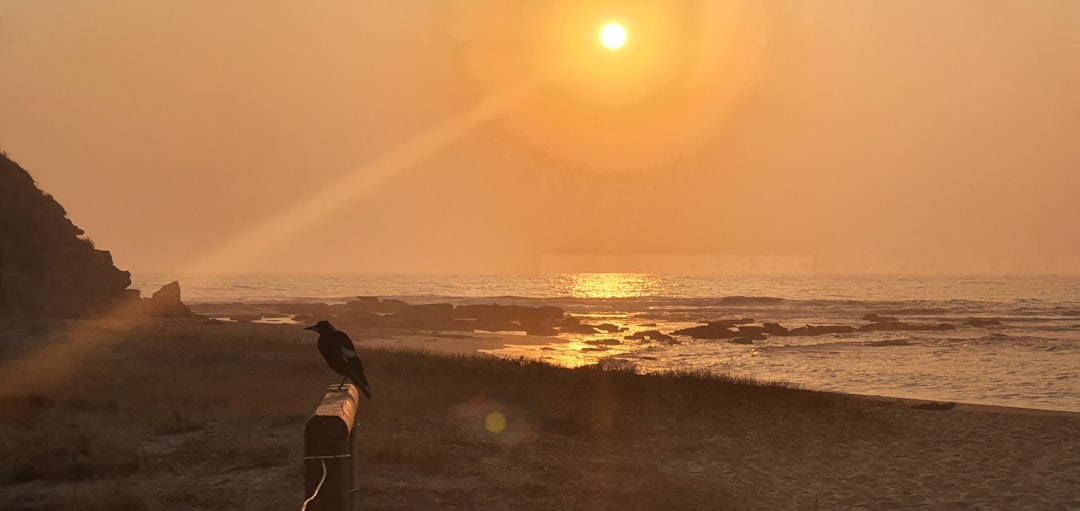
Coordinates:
(328, 442)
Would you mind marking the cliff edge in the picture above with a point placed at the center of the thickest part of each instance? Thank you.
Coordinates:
(48, 267)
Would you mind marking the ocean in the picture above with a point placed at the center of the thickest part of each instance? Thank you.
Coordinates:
(1030, 359)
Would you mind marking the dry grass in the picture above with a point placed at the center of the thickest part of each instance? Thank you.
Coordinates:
(190, 415)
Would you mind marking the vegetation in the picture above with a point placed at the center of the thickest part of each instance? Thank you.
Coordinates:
(190, 415)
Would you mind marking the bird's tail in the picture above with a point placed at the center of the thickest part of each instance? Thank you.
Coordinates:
(361, 383)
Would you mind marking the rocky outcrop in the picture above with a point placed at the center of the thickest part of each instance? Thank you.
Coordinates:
(373, 305)
(889, 342)
(651, 335)
(746, 334)
(821, 330)
(432, 316)
(165, 302)
(571, 325)
(713, 330)
(494, 317)
(897, 326)
(48, 267)
(774, 329)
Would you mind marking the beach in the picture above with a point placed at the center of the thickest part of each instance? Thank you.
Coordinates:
(175, 414)
(993, 340)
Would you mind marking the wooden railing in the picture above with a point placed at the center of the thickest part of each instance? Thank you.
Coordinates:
(329, 462)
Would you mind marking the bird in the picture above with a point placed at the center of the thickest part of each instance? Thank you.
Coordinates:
(340, 355)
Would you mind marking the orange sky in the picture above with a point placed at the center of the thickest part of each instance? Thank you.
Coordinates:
(489, 136)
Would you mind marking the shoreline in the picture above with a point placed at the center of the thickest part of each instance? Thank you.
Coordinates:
(962, 406)
(482, 342)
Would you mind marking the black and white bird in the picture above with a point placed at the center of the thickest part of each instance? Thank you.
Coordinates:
(340, 354)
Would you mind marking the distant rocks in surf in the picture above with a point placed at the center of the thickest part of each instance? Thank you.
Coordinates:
(373, 305)
(720, 329)
(746, 334)
(739, 331)
(391, 313)
(821, 330)
(547, 320)
(651, 335)
(889, 342)
(898, 326)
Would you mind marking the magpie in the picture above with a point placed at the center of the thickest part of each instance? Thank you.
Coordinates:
(340, 355)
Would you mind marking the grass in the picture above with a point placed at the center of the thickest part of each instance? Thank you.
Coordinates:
(189, 415)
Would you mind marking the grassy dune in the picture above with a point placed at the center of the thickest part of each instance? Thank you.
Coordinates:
(190, 415)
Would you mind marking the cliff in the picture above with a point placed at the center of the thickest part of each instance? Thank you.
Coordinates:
(48, 267)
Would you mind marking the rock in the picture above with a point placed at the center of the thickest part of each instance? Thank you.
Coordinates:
(754, 333)
(496, 318)
(715, 330)
(889, 342)
(741, 340)
(574, 326)
(550, 312)
(654, 335)
(896, 326)
(979, 322)
(878, 319)
(730, 323)
(821, 330)
(373, 305)
(774, 329)
(434, 316)
(610, 328)
(165, 302)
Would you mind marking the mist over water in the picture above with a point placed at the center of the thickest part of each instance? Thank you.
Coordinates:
(1029, 360)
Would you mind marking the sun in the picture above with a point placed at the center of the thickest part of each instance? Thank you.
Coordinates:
(613, 35)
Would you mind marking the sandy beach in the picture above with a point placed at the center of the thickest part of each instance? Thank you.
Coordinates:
(215, 421)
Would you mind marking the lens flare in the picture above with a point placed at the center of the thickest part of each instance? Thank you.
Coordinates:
(495, 422)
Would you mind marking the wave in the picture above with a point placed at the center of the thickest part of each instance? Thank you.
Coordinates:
(750, 300)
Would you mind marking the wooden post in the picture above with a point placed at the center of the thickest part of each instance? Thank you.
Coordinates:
(328, 440)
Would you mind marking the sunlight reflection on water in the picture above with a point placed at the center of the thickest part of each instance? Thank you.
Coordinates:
(611, 285)
(1030, 359)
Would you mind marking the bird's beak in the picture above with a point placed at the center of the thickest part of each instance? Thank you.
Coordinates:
(312, 327)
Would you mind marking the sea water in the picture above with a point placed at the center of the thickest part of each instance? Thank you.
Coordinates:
(1032, 359)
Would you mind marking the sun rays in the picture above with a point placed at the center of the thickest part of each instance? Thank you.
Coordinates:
(290, 222)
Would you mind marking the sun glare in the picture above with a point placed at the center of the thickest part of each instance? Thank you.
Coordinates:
(611, 285)
(613, 35)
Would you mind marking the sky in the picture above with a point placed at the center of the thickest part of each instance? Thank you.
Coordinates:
(482, 136)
